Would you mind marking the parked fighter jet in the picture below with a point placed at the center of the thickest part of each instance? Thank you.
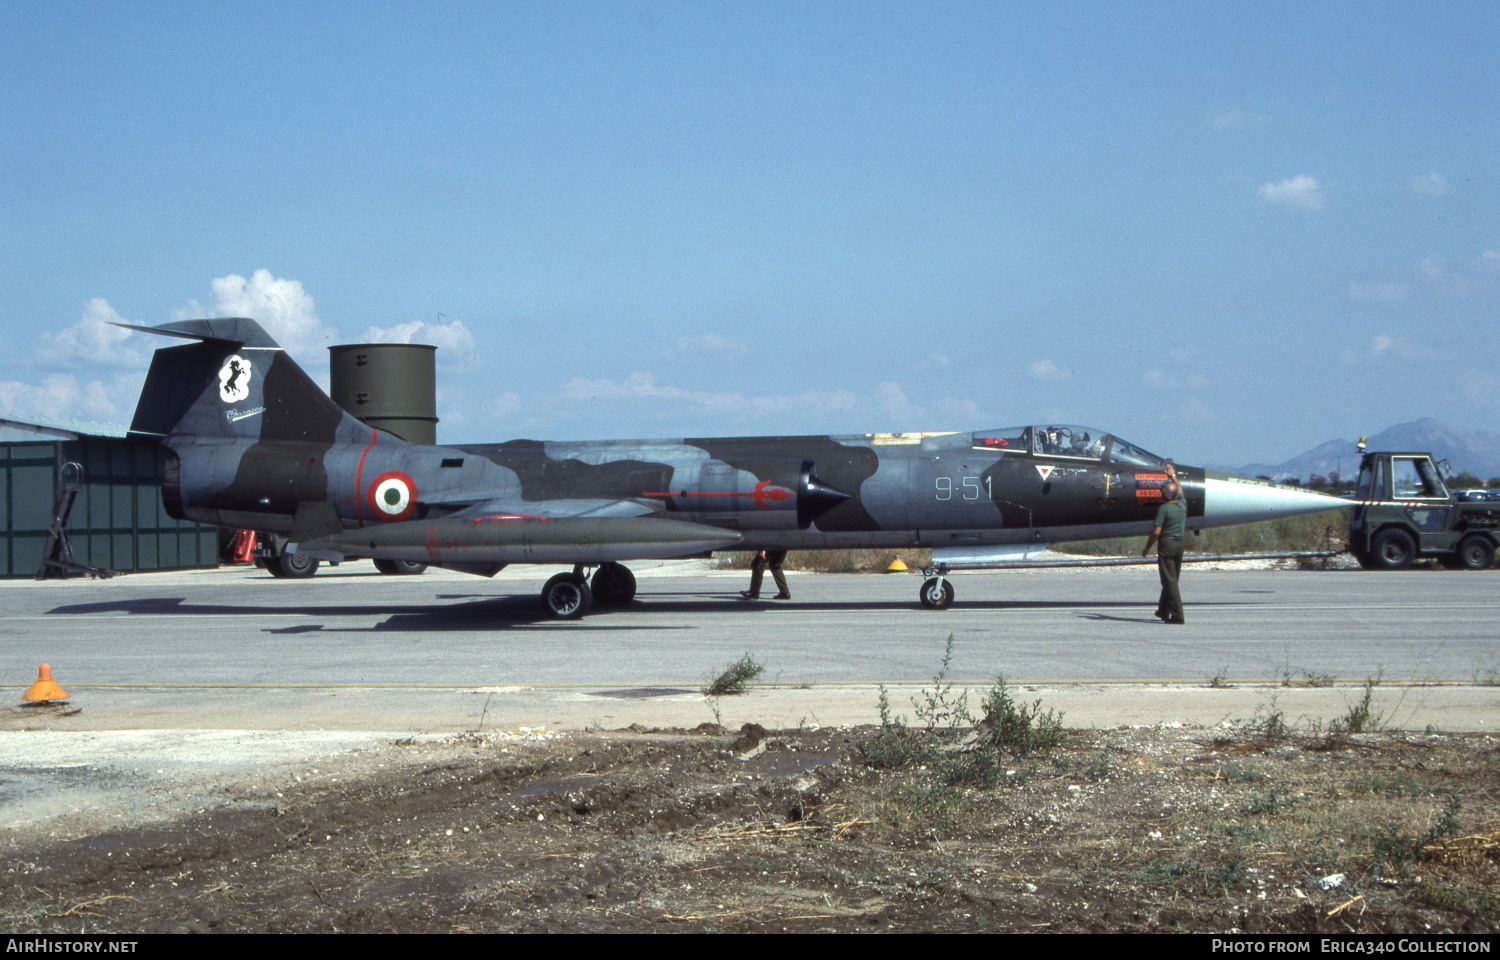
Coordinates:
(255, 444)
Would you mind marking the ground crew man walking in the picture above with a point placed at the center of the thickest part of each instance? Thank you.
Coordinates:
(1167, 533)
(767, 558)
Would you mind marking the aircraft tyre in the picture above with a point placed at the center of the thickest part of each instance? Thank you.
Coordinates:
(613, 585)
(936, 594)
(400, 568)
(567, 596)
(292, 566)
(1393, 549)
(1475, 552)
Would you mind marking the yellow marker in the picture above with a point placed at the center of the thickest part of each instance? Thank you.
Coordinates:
(45, 688)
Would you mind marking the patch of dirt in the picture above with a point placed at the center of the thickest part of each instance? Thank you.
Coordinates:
(635, 831)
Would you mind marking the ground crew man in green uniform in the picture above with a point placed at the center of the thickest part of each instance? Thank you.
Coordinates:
(767, 558)
(1169, 529)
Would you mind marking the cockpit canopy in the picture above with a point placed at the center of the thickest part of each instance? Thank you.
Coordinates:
(1065, 440)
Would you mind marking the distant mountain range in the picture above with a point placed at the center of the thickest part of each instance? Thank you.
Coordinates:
(1477, 451)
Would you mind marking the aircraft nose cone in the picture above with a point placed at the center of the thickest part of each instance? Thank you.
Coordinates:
(1228, 499)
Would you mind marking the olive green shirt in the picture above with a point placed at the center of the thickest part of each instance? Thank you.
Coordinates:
(1172, 518)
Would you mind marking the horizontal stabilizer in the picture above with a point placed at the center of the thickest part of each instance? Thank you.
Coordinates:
(241, 330)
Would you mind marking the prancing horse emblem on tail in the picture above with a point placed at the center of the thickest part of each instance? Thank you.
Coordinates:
(234, 379)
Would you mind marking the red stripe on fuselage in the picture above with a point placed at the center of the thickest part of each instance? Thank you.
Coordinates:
(762, 493)
(359, 483)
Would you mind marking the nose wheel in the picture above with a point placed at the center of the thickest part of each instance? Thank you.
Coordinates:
(936, 593)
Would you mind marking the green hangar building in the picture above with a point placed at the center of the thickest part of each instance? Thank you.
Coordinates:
(107, 489)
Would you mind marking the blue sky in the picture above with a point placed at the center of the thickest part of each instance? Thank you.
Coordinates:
(1226, 232)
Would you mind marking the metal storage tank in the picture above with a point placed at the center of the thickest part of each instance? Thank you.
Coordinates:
(392, 386)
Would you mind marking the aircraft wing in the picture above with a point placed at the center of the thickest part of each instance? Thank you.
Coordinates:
(485, 537)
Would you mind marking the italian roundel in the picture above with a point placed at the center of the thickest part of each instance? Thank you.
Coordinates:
(392, 496)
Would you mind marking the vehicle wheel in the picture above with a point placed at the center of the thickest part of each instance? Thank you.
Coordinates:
(1393, 549)
(936, 594)
(613, 585)
(1366, 561)
(567, 596)
(292, 566)
(400, 568)
(1475, 553)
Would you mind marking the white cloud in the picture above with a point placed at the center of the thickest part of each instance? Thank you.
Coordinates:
(1159, 379)
(1236, 119)
(644, 386)
(634, 387)
(1379, 344)
(61, 395)
(891, 400)
(1227, 119)
(281, 306)
(900, 413)
(886, 407)
(1479, 386)
(709, 345)
(91, 340)
(453, 339)
(1467, 278)
(505, 405)
(1429, 184)
(1046, 370)
(1300, 192)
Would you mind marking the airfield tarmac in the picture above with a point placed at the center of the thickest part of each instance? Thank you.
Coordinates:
(352, 650)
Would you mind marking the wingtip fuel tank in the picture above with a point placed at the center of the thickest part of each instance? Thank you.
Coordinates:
(509, 538)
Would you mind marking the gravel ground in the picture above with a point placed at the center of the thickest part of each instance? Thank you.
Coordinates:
(1134, 829)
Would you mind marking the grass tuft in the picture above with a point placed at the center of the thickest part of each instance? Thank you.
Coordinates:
(734, 678)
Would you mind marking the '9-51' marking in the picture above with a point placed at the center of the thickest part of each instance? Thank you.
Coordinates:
(967, 488)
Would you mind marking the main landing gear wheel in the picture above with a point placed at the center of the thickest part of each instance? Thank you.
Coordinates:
(613, 585)
(400, 568)
(1393, 549)
(567, 596)
(936, 593)
(292, 566)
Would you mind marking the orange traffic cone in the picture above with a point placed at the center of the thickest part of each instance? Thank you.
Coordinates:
(45, 688)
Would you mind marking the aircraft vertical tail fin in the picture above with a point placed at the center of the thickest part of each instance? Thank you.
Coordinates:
(236, 382)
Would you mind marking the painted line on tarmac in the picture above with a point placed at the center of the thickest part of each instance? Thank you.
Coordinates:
(614, 685)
